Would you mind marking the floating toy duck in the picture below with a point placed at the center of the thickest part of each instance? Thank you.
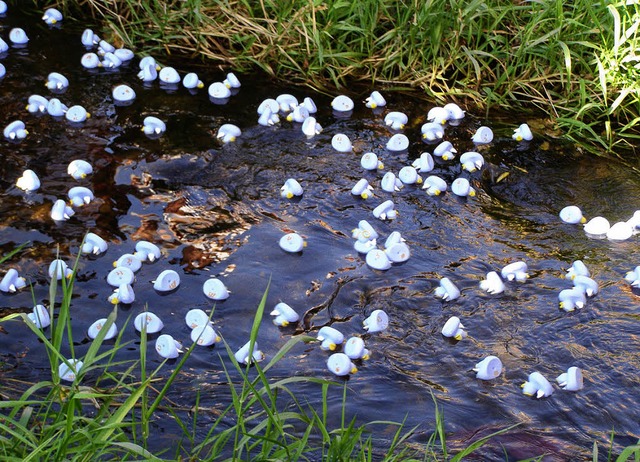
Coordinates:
(77, 114)
(93, 244)
(215, 289)
(363, 189)
(292, 243)
(341, 142)
(148, 321)
(354, 348)
(375, 100)
(111, 61)
(29, 181)
(90, 61)
(128, 260)
(3, 7)
(287, 102)
(56, 108)
(342, 103)
(492, 284)
(447, 290)
(571, 380)
(299, 114)
(445, 150)
(18, 36)
(70, 369)
(330, 338)
(120, 275)
(634, 221)
(377, 321)
(169, 76)
(124, 54)
(79, 196)
(397, 252)
(12, 282)
(453, 328)
(461, 187)
(96, 327)
(166, 281)
(364, 232)
(191, 81)
(620, 231)
(147, 251)
(57, 82)
(40, 317)
(578, 268)
(340, 364)
(153, 127)
(537, 385)
(268, 118)
(597, 227)
(89, 39)
(123, 94)
(168, 347)
(59, 269)
(432, 131)
(231, 81)
(148, 60)
(522, 133)
(434, 185)
(398, 142)
(570, 299)
(385, 211)
(310, 105)
(148, 73)
(573, 215)
(270, 104)
(290, 189)
(483, 135)
(228, 133)
(364, 246)
(60, 211)
(489, 368)
(390, 183)
(16, 130)
(378, 259)
(205, 335)
(409, 175)
(105, 47)
(424, 163)
(471, 161)
(37, 104)
(396, 120)
(310, 127)
(284, 315)
(218, 90)
(586, 284)
(455, 112)
(633, 277)
(515, 271)
(123, 294)
(196, 318)
(438, 115)
(394, 238)
(243, 357)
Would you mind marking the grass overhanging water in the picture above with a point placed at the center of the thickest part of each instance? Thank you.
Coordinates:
(575, 61)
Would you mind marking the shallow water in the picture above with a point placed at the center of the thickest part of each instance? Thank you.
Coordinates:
(216, 210)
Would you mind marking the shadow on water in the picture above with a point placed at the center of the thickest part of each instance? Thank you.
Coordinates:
(216, 210)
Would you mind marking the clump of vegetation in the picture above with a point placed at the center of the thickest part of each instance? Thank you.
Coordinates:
(575, 61)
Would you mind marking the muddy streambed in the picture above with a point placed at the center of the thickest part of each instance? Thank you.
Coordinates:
(215, 210)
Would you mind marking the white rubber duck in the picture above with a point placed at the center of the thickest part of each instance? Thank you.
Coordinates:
(310, 105)
(291, 188)
(52, 16)
(471, 161)
(69, 372)
(396, 120)
(231, 81)
(633, 277)
(191, 81)
(586, 284)
(90, 61)
(570, 299)
(89, 39)
(18, 36)
(12, 281)
(390, 183)
(434, 185)
(105, 47)
(537, 385)
(378, 259)
(3, 7)
(149, 321)
(310, 127)
(571, 380)
(461, 187)
(397, 252)
(215, 289)
(80, 195)
(205, 335)
(147, 251)
(292, 243)
(40, 317)
(96, 327)
(111, 61)
(445, 150)
(455, 112)
(196, 318)
(37, 104)
(287, 102)
(243, 357)
(354, 348)
(56, 82)
(363, 189)
(342, 103)
(299, 114)
(152, 126)
(483, 135)
(438, 115)
(385, 211)
(169, 76)
(364, 246)
(340, 364)
(432, 131)
(168, 347)
(620, 231)
(515, 271)
(16, 130)
(597, 227)
(375, 100)
(572, 214)
(578, 268)
(453, 328)
(398, 142)
(409, 175)
(60, 211)
(394, 238)
(522, 133)
(56, 108)
(58, 269)
(377, 321)
(120, 275)
(228, 133)
(364, 232)
(77, 114)
(447, 290)
(148, 73)
(268, 118)
(492, 284)
(341, 142)
(29, 181)
(123, 294)
(489, 368)
(330, 338)
(128, 260)
(270, 104)
(79, 169)
(123, 94)
(124, 54)
(424, 163)
(166, 281)
(284, 315)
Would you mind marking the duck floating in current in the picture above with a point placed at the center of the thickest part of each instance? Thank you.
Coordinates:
(424, 163)
(153, 127)
(128, 260)
(483, 135)
(268, 118)
(291, 188)
(120, 275)
(37, 104)
(80, 195)
(409, 175)
(354, 348)
(167, 281)
(18, 36)
(434, 185)
(364, 232)
(378, 259)
(340, 364)
(453, 328)
(148, 321)
(287, 102)
(377, 321)
(390, 183)
(12, 281)
(397, 252)
(205, 335)
(77, 114)
(16, 130)
(96, 327)
(572, 214)
(363, 189)
(522, 133)
(169, 76)
(79, 169)
(89, 39)
(58, 269)
(330, 338)
(633, 277)
(310, 127)
(292, 243)
(586, 284)
(243, 356)
(111, 61)
(168, 347)
(147, 251)
(56, 108)
(341, 142)
(385, 211)
(447, 290)
(445, 150)
(570, 299)
(396, 120)
(489, 368)
(60, 211)
(571, 380)
(123, 94)
(228, 133)
(537, 385)
(375, 100)
(90, 61)
(578, 268)
(284, 315)
(191, 81)
(70, 369)
(29, 181)
(597, 227)
(196, 318)
(105, 47)
(148, 73)
(123, 294)
(432, 131)
(515, 271)
(462, 188)
(471, 161)
(56, 82)
(398, 142)
(299, 114)
(215, 289)
(231, 81)
(455, 112)
(310, 105)
(40, 317)
(342, 103)
(620, 231)
(438, 115)
(493, 283)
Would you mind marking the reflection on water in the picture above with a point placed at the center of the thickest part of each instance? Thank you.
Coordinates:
(216, 210)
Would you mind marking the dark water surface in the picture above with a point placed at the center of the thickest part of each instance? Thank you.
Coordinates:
(216, 210)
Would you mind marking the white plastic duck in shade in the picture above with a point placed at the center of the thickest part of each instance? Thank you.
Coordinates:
(537, 385)
(489, 368)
